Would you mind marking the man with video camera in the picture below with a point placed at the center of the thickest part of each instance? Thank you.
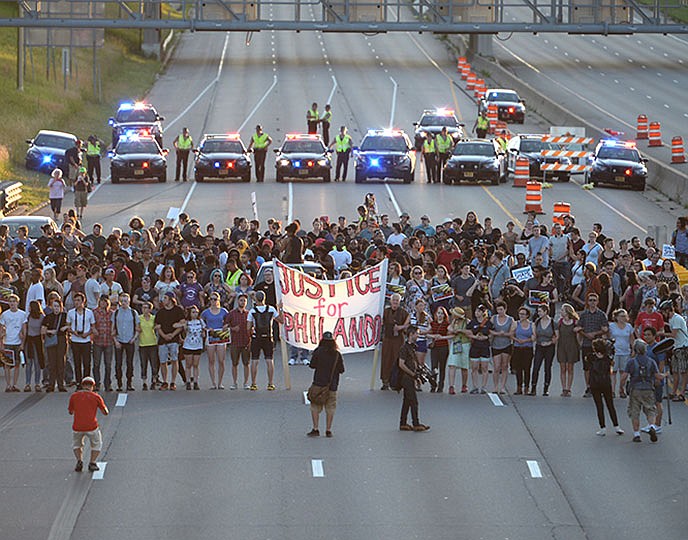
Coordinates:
(407, 368)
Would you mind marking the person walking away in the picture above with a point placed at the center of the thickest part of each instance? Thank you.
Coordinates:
(328, 364)
(325, 122)
(56, 184)
(83, 406)
(523, 350)
(445, 144)
(546, 337)
(182, 146)
(312, 119)
(81, 324)
(125, 331)
(54, 330)
(13, 323)
(481, 125)
(407, 368)
(192, 348)
(395, 320)
(643, 373)
(259, 144)
(166, 320)
(342, 145)
(82, 186)
(93, 152)
(35, 359)
(660, 358)
(600, 362)
(430, 158)
(259, 321)
(148, 346)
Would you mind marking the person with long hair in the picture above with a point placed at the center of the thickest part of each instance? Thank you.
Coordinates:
(568, 348)
(328, 364)
(167, 282)
(218, 337)
(522, 358)
(420, 318)
(458, 349)
(632, 286)
(546, 337)
(50, 282)
(439, 350)
(217, 285)
(667, 274)
(503, 328)
(33, 347)
(600, 362)
(192, 348)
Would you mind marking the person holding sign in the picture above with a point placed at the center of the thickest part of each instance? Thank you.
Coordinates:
(458, 350)
(260, 326)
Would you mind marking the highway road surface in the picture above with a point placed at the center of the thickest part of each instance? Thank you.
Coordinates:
(236, 464)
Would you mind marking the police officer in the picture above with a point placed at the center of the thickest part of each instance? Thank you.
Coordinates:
(342, 145)
(93, 151)
(430, 157)
(312, 119)
(502, 140)
(259, 144)
(482, 125)
(182, 145)
(445, 144)
(325, 121)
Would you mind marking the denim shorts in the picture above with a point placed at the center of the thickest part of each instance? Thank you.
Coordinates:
(168, 352)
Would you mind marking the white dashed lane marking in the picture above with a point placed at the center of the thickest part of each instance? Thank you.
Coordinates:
(100, 473)
(534, 469)
(121, 400)
(317, 468)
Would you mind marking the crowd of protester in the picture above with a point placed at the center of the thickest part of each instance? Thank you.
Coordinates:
(73, 300)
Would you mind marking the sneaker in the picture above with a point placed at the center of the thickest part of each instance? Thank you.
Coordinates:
(313, 433)
(636, 438)
(253, 387)
(93, 467)
(475, 391)
(196, 386)
(602, 432)
(405, 427)
(618, 430)
(79, 466)
(452, 391)
(292, 361)
(483, 391)
(658, 429)
(271, 387)
(232, 386)
(587, 393)
(645, 429)
(421, 427)
(328, 434)
(306, 362)
(653, 434)
(220, 387)
(119, 388)
(188, 385)
(144, 387)
(464, 389)
(27, 388)
(247, 386)
(384, 387)
(130, 388)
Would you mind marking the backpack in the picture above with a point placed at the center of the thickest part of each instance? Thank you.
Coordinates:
(262, 322)
(642, 375)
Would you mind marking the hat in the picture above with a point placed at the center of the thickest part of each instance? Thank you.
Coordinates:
(319, 242)
(591, 266)
(424, 216)
(404, 214)
(458, 312)
(327, 336)
(170, 294)
(667, 304)
(82, 170)
(88, 380)
(269, 243)
(110, 271)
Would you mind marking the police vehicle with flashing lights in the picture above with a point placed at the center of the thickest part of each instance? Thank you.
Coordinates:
(475, 160)
(136, 118)
(510, 107)
(222, 156)
(47, 151)
(530, 146)
(138, 157)
(432, 121)
(617, 163)
(303, 156)
(385, 153)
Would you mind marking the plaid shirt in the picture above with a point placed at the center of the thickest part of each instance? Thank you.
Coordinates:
(240, 338)
(103, 326)
(592, 321)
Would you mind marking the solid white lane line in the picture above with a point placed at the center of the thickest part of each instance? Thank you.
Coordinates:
(260, 102)
(393, 200)
(100, 473)
(620, 214)
(534, 469)
(495, 399)
(290, 203)
(306, 401)
(394, 103)
(334, 88)
(317, 468)
(121, 400)
(186, 200)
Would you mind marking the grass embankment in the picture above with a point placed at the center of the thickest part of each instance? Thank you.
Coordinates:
(672, 7)
(44, 104)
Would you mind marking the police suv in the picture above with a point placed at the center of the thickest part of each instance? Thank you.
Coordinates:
(222, 156)
(303, 156)
(617, 163)
(136, 118)
(475, 160)
(510, 107)
(47, 151)
(432, 121)
(385, 153)
(138, 157)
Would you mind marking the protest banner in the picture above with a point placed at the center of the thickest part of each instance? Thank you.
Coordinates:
(441, 292)
(391, 289)
(522, 274)
(349, 308)
(668, 252)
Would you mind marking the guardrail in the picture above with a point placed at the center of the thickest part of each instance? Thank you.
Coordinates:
(10, 195)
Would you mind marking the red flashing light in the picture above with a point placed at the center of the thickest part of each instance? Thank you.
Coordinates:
(310, 163)
(230, 164)
(511, 109)
(628, 172)
(233, 136)
(145, 165)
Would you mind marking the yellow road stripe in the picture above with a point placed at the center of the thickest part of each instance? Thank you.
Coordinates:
(502, 207)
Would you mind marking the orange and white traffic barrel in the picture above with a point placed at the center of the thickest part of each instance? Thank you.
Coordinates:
(533, 198)
(465, 70)
(460, 63)
(470, 82)
(655, 134)
(480, 88)
(492, 115)
(677, 152)
(521, 172)
(641, 131)
(561, 209)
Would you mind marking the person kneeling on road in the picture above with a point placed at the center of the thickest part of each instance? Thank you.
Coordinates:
(407, 367)
(84, 405)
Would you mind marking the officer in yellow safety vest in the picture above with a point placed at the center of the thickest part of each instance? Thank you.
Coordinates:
(312, 118)
(482, 125)
(342, 144)
(445, 144)
(259, 144)
(93, 150)
(182, 145)
(502, 141)
(430, 158)
(325, 121)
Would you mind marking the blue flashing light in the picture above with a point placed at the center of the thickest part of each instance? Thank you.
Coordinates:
(47, 159)
(217, 164)
(375, 162)
(126, 106)
(297, 164)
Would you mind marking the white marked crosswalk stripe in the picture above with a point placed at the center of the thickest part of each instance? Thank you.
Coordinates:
(121, 400)
(317, 468)
(534, 469)
(100, 473)
(496, 401)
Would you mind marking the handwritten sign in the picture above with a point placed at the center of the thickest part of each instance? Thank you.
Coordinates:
(522, 274)
(391, 289)
(441, 292)
(349, 308)
(668, 252)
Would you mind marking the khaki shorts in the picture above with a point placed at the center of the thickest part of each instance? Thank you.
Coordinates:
(95, 437)
(679, 360)
(641, 400)
(329, 406)
(240, 353)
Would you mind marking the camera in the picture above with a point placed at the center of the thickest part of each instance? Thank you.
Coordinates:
(425, 375)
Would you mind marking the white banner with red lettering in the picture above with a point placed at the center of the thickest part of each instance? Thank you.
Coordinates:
(349, 308)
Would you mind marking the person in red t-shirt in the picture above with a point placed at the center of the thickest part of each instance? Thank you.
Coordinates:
(648, 317)
(84, 405)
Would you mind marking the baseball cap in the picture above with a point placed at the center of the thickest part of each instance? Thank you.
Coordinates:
(404, 214)
(88, 380)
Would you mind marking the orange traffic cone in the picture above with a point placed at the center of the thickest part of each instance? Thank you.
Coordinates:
(533, 198)
(655, 134)
(641, 131)
(677, 153)
(521, 172)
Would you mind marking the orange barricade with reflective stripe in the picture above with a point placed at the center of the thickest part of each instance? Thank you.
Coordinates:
(460, 63)
(533, 198)
(677, 153)
(480, 88)
(470, 82)
(499, 126)
(641, 131)
(561, 209)
(492, 115)
(655, 134)
(465, 71)
(521, 172)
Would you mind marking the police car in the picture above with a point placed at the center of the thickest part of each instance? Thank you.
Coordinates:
(476, 160)
(385, 153)
(303, 156)
(618, 163)
(138, 157)
(432, 121)
(47, 151)
(510, 107)
(222, 156)
(136, 118)
(531, 147)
